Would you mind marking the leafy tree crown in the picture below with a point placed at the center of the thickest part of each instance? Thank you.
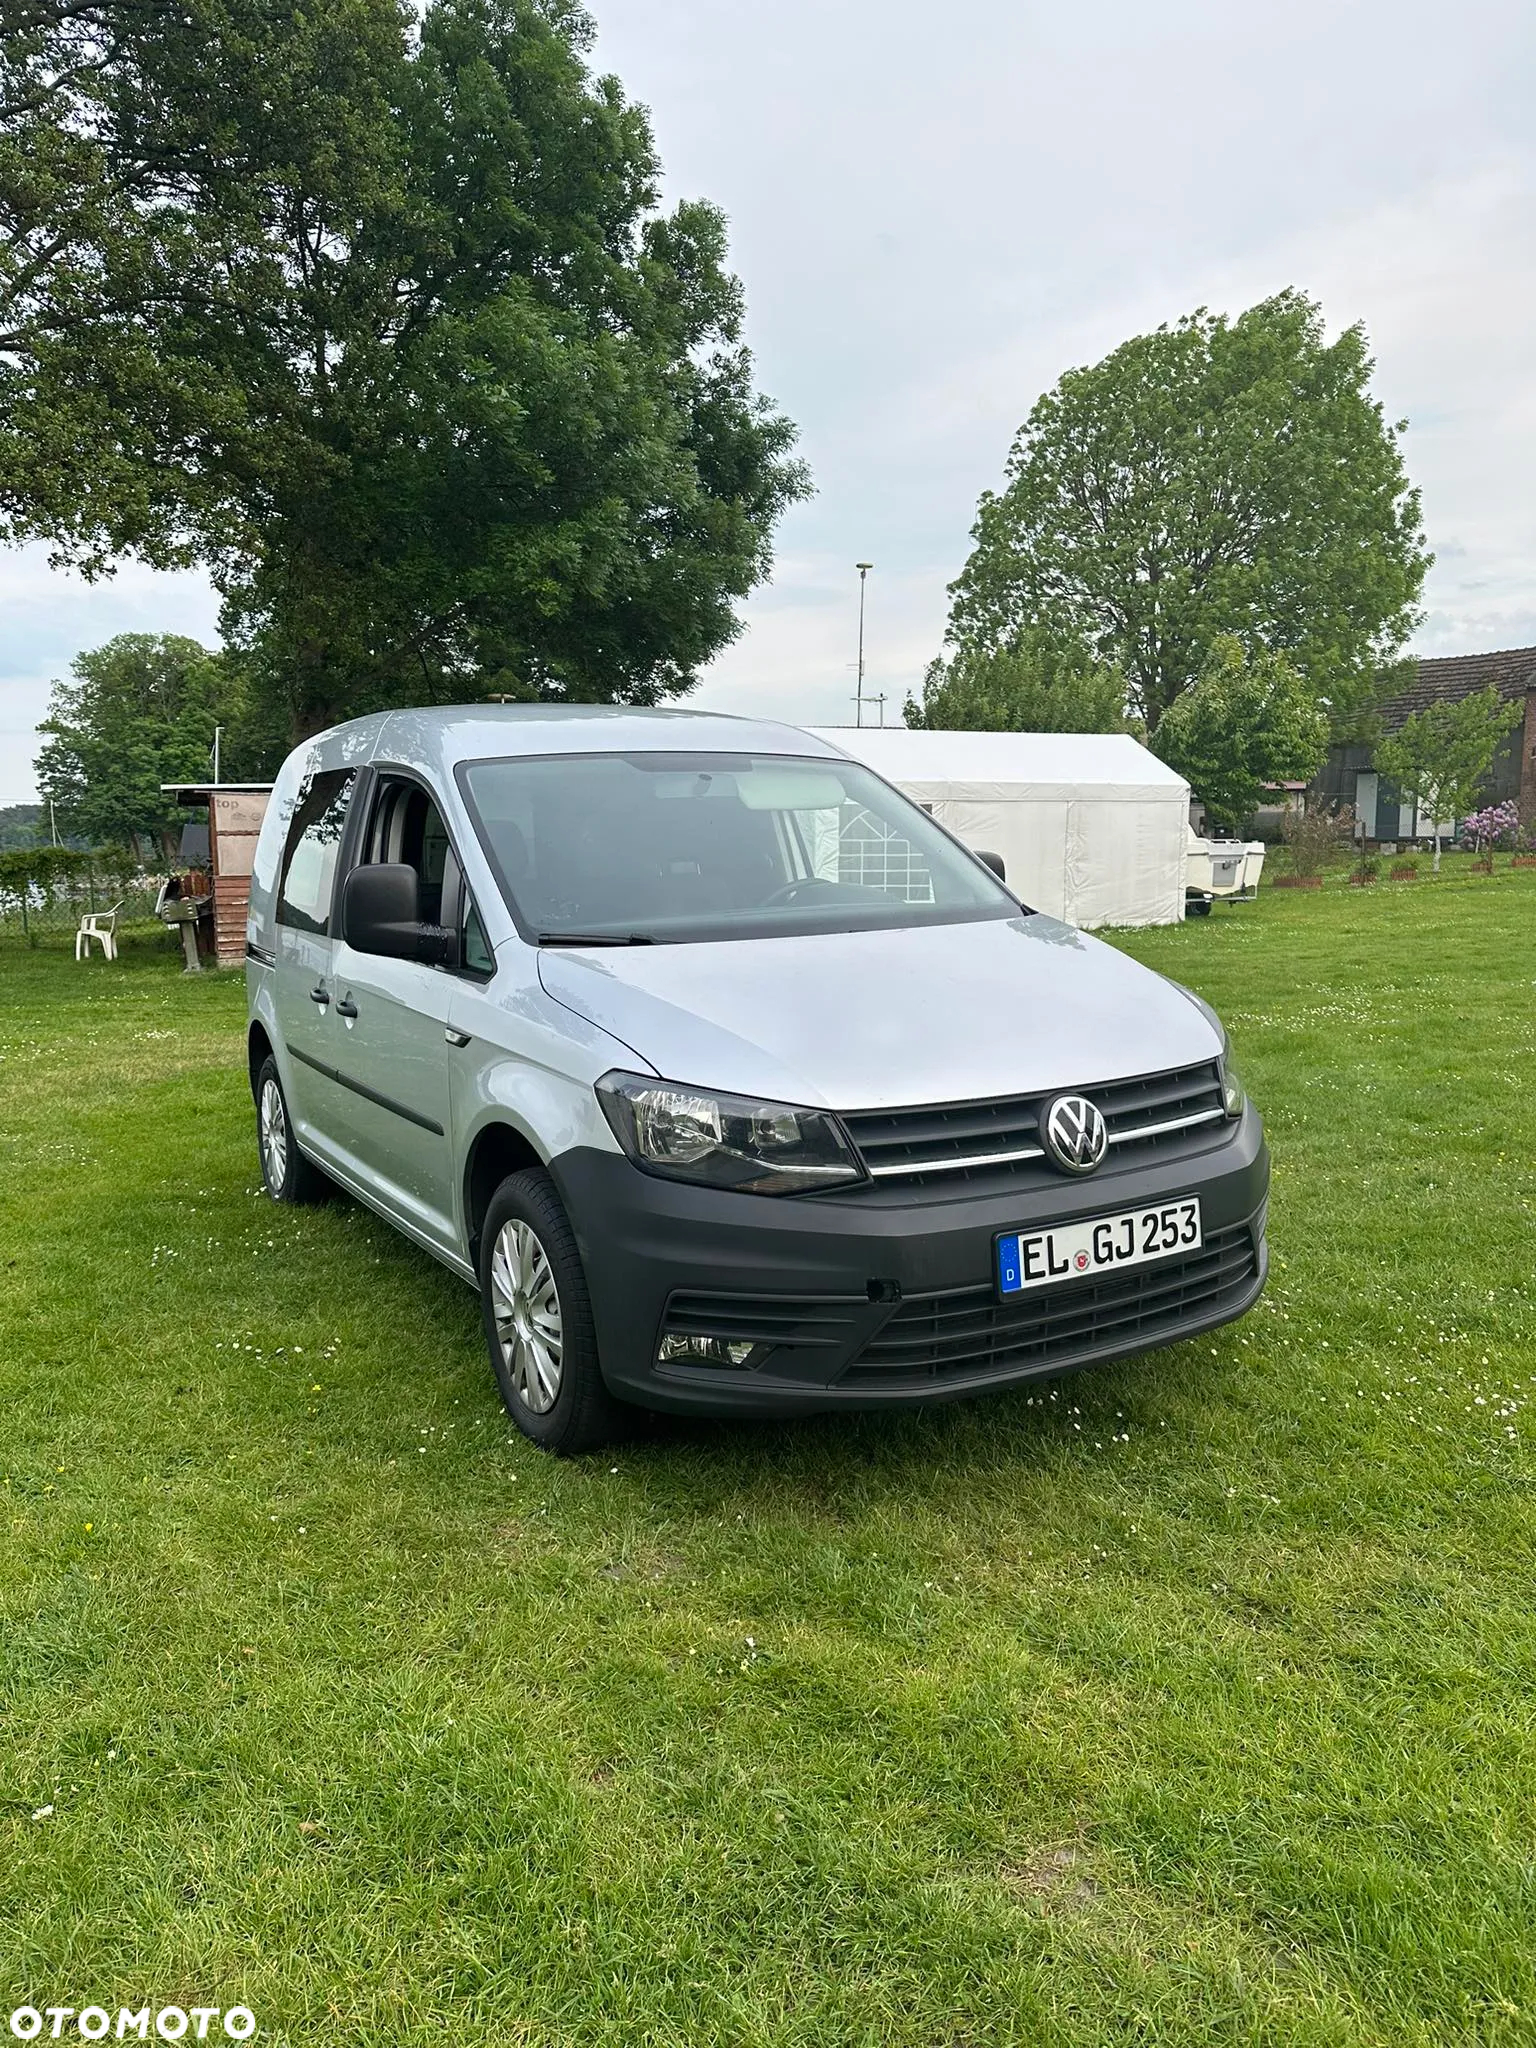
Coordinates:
(141, 711)
(1039, 684)
(371, 310)
(1248, 722)
(1221, 476)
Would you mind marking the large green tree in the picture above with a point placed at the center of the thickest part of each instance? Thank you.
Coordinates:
(1246, 722)
(141, 711)
(376, 315)
(1216, 477)
(1440, 756)
(1039, 684)
(22, 826)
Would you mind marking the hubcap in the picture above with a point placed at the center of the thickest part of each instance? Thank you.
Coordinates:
(274, 1136)
(527, 1310)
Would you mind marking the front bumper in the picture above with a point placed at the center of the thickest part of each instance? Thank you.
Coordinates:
(852, 1305)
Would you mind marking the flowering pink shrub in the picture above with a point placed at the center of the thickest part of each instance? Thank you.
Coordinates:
(1498, 825)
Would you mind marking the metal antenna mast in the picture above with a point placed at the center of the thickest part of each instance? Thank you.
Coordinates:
(858, 713)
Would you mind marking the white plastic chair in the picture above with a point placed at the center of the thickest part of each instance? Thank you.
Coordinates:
(100, 925)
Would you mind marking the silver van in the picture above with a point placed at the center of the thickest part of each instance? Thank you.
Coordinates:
(731, 1080)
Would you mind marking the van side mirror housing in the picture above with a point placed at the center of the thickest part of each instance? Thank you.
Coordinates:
(381, 913)
(994, 861)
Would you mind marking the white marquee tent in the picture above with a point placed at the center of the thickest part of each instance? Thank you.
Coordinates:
(1091, 826)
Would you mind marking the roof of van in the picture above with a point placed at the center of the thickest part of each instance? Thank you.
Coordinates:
(447, 734)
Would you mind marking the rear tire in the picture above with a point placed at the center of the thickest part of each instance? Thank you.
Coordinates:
(288, 1175)
(538, 1320)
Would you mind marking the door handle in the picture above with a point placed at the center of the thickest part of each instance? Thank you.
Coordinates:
(455, 1037)
(320, 994)
(346, 1007)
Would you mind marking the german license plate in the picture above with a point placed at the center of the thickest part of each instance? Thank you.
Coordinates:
(1103, 1244)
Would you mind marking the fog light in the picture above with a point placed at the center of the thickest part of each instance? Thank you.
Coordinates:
(676, 1350)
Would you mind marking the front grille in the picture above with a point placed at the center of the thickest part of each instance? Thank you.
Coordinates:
(977, 1146)
(967, 1332)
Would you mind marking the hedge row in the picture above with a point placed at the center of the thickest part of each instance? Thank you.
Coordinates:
(45, 888)
(41, 867)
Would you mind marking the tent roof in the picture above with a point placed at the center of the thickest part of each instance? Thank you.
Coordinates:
(1017, 766)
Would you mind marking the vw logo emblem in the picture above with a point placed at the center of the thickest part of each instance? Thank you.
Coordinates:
(1076, 1135)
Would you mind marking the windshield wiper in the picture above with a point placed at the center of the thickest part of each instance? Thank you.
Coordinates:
(595, 939)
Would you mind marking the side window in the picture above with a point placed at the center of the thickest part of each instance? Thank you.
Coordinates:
(309, 857)
(407, 826)
(474, 947)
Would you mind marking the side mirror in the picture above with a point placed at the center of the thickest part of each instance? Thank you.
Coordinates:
(381, 913)
(994, 861)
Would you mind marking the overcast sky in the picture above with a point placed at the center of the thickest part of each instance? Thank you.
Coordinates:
(936, 210)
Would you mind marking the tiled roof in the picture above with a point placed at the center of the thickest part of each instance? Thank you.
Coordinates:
(1446, 678)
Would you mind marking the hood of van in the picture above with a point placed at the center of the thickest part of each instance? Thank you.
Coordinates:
(879, 1020)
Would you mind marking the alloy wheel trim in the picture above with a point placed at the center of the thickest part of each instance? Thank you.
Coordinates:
(525, 1303)
(274, 1136)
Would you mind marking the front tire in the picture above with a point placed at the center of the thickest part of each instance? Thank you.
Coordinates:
(288, 1175)
(538, 1320)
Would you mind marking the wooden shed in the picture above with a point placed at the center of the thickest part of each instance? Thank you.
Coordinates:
(235, 812)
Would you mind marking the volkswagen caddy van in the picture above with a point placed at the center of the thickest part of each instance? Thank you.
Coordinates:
(731, 1080)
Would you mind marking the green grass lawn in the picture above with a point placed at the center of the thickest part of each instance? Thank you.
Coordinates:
(1187, 1702)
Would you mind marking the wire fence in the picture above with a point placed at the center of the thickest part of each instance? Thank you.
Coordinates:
(44, 895)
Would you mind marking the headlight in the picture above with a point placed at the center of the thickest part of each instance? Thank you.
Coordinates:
(1232, 1094)
(726, 1141)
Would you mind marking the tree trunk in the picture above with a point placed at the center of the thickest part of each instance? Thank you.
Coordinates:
(306, 721)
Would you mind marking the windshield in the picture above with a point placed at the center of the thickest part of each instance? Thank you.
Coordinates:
(658, 848)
